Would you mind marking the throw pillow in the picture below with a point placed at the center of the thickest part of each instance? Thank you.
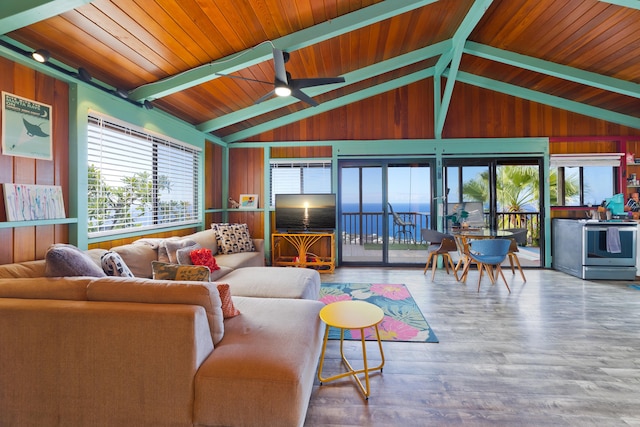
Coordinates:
(184, 254)
(228, 309)
(192, 273)
(173, 246)
(204, 257)
(233, 238)
(67, 260)
(114, 265)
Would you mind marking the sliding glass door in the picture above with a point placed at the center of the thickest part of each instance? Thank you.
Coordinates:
(502, 194)
(383, 207)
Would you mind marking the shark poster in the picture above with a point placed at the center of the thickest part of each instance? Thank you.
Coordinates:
(26, 128)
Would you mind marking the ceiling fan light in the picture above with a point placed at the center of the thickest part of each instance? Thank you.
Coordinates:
(41, 55)
(282, 91)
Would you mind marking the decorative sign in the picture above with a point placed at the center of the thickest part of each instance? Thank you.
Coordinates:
(33, 202)
(26, 128)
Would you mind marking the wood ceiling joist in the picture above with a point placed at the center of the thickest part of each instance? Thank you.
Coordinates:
(588, 78)
(291, 42)
(17, 14)
(633, 4)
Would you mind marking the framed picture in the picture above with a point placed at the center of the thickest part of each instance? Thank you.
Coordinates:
(25, 202)
(248, 201)
(26, 128)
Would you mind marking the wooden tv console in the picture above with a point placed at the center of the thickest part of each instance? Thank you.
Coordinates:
(308, 250)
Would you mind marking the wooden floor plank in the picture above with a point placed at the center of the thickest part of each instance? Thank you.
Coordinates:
(557, 351)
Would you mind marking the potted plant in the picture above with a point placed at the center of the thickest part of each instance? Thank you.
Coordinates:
(458, 216)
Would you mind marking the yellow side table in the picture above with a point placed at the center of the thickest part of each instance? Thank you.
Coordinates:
(351, 315)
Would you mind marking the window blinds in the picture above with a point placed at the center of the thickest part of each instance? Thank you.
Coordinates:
(138, 180)
(312, 177)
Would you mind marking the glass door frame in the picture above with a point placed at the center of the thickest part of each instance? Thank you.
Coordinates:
(385, 164)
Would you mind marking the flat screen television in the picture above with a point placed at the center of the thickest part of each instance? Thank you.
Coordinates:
(305, 212)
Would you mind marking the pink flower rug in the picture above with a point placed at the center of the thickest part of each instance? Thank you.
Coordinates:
(403, 320)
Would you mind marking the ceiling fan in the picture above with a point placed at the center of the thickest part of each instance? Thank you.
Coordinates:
(284, 85)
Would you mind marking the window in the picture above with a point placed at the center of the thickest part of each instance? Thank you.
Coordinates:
(300, 178)
(138, 180)
(583, 179)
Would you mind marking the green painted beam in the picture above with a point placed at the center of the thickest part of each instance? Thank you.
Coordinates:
(546, 99)
(476, 12)
(351, 78)
(291, 42)
(565, 72)
(330, 105)
(633, 4)
(16, 14)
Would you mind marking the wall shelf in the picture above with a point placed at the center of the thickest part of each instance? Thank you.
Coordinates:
(15, 224)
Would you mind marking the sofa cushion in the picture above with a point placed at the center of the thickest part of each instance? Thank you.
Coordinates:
(233, 238)
(274, 282)
(184, 254)
(173, 245)
(192, 273)
(114, 265)
(241, 260)
(206, 239)
(23, 269)
(122, 289)
(61, 288)
(203, 256)
(138, 257)
(67, 260)
(264, 355)
(219, 274)
(228, 308)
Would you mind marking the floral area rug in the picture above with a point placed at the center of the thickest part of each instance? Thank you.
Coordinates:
(403, 320)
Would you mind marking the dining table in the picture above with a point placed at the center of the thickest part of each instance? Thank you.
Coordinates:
(462, 237)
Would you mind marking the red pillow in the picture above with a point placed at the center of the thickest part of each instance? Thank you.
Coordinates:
(204, 257)
(228, 309)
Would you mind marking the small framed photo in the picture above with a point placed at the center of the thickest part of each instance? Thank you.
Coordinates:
(248, 201)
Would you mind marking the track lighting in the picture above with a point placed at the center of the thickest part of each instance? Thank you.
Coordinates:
(41, 55)
(84, 74)
(147, 104)
(122, 93)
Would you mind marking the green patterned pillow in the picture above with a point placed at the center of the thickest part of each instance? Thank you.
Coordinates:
(193, 273)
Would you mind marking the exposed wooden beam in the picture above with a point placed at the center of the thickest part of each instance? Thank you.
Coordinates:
(16, 14)
(551, 100)
(350, 78)
(291, 42)
(476, 12)
(330, 105)
(633, 4)
(565, 72)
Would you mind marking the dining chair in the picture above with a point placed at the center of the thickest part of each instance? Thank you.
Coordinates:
(513, 258)
(488, 254)
(440, 244)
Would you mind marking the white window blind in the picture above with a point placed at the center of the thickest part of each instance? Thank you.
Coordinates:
(138, 180)
(588, 159)
(312, 177)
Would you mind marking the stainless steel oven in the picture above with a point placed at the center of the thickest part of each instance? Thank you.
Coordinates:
(580, 248)
(594, 244)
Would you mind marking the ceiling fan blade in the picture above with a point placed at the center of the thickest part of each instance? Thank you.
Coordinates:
(244, 78)
(278, 63)
(303, 97)
(265, 97)
(317, 81)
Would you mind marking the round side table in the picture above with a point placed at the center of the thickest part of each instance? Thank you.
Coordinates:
(352, 315)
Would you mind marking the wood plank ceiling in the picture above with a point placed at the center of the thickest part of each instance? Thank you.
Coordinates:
(581, 55)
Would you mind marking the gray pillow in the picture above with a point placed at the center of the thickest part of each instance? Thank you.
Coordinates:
(67, 260)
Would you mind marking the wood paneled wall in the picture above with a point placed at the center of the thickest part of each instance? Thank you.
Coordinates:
(27, 243)
(246, 176)
(474, 113)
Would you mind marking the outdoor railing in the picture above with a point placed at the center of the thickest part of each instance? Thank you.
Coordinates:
(359, 228)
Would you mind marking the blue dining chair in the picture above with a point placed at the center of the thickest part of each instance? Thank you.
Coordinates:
(488, 254)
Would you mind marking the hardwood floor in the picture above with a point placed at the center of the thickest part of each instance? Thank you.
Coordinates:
(557, 351)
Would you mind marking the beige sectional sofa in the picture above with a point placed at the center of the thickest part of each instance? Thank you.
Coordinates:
(113, 351)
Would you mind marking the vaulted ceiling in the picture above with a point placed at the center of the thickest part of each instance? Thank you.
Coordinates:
(578, 55)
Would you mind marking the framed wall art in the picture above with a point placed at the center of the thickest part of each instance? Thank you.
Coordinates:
(24, 202)
(26, 128)
(248, 201)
